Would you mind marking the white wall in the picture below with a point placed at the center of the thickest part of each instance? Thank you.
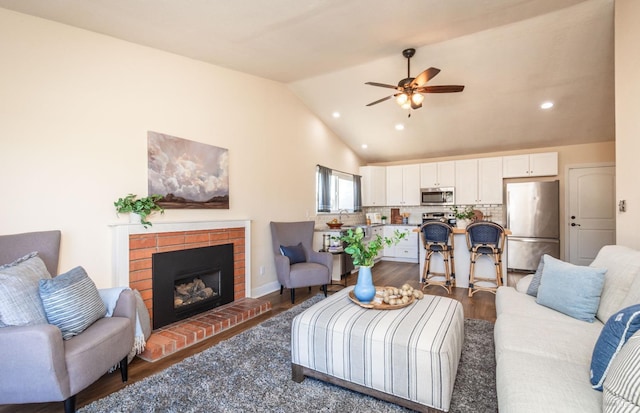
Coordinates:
(627, 63)
(75, 109)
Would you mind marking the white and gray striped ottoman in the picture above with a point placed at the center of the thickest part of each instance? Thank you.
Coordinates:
(407, 356)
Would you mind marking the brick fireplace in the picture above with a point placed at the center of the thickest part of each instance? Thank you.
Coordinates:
(133, 248)
(142, 246)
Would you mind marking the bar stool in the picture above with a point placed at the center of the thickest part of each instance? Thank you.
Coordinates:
(437, 238)
(485, 239)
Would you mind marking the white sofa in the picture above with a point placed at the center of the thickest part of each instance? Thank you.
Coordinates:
(543, 356)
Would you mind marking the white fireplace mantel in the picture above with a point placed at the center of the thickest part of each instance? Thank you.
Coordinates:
(120, 242)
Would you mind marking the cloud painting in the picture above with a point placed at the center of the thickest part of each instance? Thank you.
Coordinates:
(187, 174)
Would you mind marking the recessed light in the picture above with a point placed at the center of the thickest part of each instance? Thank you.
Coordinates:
(399, 126)
(546, 105)
(365, 146)
(336, 115)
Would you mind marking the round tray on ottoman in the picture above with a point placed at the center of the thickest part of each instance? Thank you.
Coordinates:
(377, 303)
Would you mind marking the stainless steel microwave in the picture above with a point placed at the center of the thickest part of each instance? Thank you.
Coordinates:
(438, 196)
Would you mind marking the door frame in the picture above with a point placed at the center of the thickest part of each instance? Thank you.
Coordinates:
(564, 219)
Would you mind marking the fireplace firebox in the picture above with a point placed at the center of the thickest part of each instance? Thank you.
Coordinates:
(191, 281)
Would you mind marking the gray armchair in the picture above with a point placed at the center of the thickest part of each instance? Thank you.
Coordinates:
(316, 267)
(37, 364)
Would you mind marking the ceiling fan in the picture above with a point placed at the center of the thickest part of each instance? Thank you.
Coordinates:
(410, 89)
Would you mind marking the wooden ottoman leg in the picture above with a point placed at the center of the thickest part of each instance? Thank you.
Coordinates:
(297, 373)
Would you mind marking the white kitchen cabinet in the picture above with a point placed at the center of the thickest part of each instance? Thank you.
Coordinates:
(378, 230)
(403, 185)
(437, 174)
(374, 185)
(535, 164)
(479, 181)
(407, 249)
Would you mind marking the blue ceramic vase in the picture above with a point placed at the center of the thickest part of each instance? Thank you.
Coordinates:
(364, 289)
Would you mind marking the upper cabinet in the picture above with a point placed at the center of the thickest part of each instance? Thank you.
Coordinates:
(535, 164)
(479, 181)
(403, 185)
(374, 185)
(437, 174)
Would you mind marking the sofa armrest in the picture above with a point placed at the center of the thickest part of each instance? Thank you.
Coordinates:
(126, 306)
(324, 258)
(523, 284)
(283, 268)
(33, 364)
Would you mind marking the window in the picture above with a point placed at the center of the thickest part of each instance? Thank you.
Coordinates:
(337, 191)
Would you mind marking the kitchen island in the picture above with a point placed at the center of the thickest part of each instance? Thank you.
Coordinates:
(462, 260)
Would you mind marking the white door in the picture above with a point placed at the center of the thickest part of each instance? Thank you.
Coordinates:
(591, 212)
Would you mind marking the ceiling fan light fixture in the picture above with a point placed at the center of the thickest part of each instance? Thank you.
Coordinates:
(417, 98)
(402, 99)
(406, 105)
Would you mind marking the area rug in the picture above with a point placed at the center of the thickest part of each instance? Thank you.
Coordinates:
(251, 372)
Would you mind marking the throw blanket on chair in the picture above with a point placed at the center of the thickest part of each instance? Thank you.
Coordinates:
(143, 329)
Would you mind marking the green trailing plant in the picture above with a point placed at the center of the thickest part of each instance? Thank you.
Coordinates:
(143, 206)
(363, 254)
(463, 213)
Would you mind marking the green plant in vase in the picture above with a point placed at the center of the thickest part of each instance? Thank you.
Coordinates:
(464, 214)
(364, 254)
(143, 206)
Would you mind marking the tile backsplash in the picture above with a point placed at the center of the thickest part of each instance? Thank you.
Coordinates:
(491, 212)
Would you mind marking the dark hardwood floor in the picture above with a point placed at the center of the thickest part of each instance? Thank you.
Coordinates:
(481, 306)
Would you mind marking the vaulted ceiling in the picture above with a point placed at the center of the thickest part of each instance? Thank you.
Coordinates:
(511, 55)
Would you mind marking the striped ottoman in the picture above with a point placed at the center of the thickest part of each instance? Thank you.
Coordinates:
(407, 356)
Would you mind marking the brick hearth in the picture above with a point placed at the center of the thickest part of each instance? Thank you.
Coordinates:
(174, 337)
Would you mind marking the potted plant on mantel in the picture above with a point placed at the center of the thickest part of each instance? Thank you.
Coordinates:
(364, 254)
(464, 216)
(142, 207)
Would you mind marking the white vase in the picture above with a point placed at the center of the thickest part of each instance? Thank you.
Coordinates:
(135, 218)
(462, 223)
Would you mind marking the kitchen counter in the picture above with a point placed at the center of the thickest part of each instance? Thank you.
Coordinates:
(464, 231)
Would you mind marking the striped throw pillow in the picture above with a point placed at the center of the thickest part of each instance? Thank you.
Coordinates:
(71, 302)
(622, 385)
(20, 303)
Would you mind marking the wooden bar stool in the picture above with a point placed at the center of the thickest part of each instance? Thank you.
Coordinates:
(485, 239)
(437, 238)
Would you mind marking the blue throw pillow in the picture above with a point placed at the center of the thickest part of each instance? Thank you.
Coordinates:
(295, 253)
(613, 336)
(571, 289)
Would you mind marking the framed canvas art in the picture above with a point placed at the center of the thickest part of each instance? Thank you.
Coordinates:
(187, 174)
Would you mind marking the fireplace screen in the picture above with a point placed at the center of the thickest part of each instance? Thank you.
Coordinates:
(191, 281)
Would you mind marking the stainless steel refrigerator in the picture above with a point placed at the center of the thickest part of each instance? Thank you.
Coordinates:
(533, 216)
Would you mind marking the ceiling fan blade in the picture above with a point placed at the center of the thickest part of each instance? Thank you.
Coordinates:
(440, 89)
(380, 100)
(381, 85)
(425, 76)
